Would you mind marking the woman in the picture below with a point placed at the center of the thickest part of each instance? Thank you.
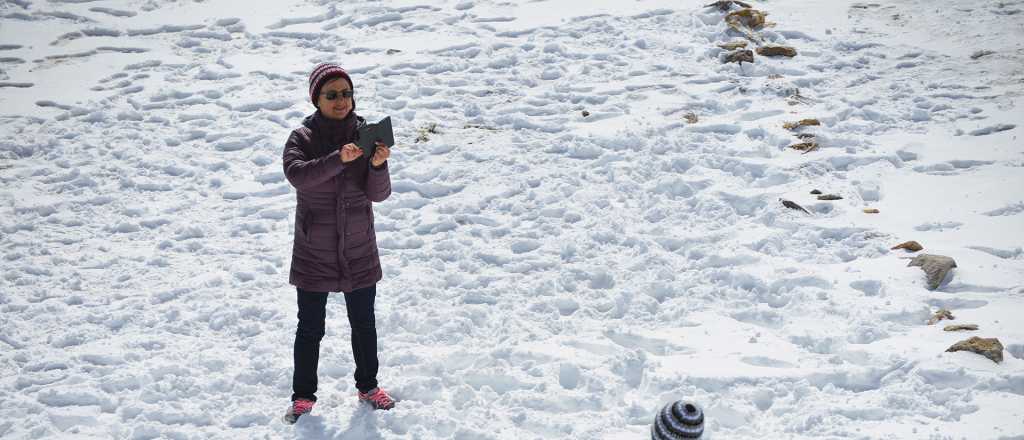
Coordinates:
(335, 246)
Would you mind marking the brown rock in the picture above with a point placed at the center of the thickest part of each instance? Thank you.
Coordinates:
(934, 266)
(740, 56)
(690, 117)
(871, 211)
(830, 197)
(776, 51)
(940, 315)
(960, 327)
(988, 347)
(733, 45)
(745, 18)
(806, 147)
(911, 246)
(801, 123)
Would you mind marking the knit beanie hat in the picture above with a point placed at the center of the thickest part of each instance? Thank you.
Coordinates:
(323, 73)
(678, 421)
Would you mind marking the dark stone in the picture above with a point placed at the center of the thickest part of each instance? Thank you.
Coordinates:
(740, 56)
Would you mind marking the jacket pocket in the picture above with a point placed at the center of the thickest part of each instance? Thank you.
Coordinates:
(304, 222)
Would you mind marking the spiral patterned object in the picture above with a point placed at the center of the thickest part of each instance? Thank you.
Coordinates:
(677, 421)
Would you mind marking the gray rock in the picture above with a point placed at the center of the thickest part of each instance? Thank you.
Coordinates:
(934, 266)
(911, 246)
(960, 327)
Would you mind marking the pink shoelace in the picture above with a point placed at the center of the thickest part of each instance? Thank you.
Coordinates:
(302, 406)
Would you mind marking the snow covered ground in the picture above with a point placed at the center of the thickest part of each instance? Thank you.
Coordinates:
(547, 274)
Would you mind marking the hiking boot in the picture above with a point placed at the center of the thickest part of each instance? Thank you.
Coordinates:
(378, 398)
(297, 409)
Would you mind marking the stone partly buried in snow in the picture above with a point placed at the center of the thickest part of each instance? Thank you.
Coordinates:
(981, 53)
(746, 22)
(776, 51)
(988, 347)
(911, 246)
(725, 5)
(940, 315)
(801, 123)
(733, 45)
(830, 197)
(746, 17)
(960, 327)
(740, 56)
(806, 147)
(936, 267)
(793, 205)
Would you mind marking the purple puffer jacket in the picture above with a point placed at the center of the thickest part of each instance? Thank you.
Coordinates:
(335, 246)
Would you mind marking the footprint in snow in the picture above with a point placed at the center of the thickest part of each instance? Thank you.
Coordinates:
(1006, 254)
(1012, 209)
(937, 226)
(762, 361)
(113, 12)
(992, 129)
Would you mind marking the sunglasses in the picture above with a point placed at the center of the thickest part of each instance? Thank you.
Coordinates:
(332, 95)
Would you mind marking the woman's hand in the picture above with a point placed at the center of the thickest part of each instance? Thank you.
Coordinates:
(380, 155)
(350, 152)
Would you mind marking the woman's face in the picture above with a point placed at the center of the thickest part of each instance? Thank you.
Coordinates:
(339, 107)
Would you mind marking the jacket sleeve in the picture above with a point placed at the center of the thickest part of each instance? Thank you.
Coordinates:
(378, 183)
(305, 174)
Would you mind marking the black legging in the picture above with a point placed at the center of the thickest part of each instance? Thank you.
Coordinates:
(312, 315)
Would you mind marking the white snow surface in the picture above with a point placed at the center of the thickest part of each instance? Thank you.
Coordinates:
(547, 274)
